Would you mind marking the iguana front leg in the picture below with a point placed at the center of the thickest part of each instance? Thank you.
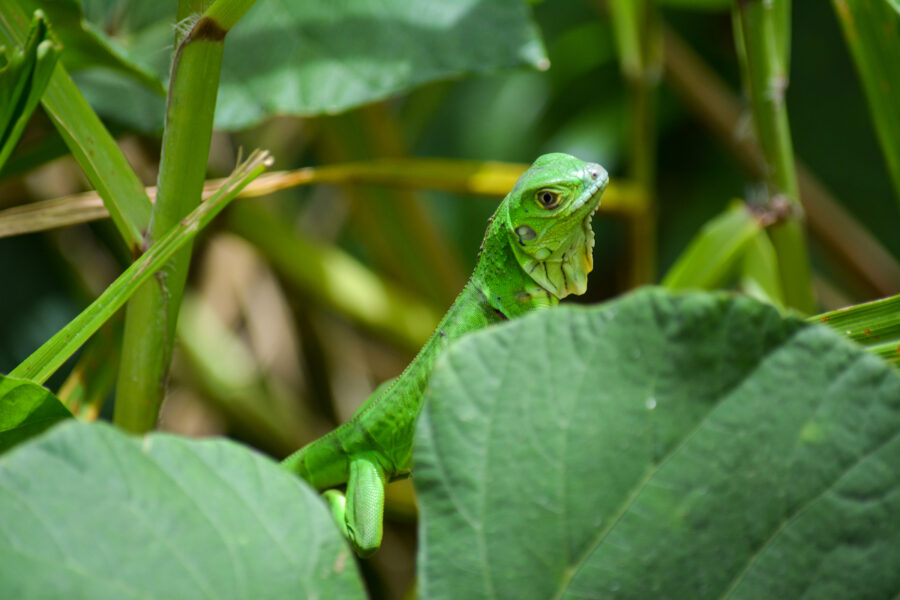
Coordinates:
(515, 305)
(359, 513)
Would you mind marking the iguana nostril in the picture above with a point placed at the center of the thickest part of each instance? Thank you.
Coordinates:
(525, 233)
(597, 173)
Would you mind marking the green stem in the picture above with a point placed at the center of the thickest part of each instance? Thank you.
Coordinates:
(227, 13)
(762, 46)
(50, 356)
(871, 30)
(153, 312)
(768, 80)
(869, 267)
(638, 32)
(642, 160)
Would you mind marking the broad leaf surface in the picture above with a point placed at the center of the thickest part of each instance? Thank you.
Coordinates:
(319, 56)
(89, 512)
(659, 446)
(26, 409)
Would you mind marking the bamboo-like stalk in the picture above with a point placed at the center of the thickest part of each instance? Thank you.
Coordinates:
(762, 46)
(872, 31)
(873, 270)
(491, 179)
(638, 33)
(153, 311)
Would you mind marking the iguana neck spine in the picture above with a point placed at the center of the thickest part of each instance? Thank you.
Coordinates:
(497, 290)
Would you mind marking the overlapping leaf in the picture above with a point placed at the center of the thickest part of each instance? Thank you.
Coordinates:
(86, 45)
(92, 513)
(660, 446)
(26, 409)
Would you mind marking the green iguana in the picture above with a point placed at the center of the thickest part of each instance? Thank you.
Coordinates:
(537, 249)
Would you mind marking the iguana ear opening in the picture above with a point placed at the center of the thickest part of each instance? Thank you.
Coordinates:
(525, 233)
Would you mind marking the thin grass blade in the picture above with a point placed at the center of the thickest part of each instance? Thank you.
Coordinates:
(88, 139)
(49, 357)
(490, 179)
(875, 325)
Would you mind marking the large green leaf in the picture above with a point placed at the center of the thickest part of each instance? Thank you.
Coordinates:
(659, 446)
(89, 512)
(320, 56)
(26, 409)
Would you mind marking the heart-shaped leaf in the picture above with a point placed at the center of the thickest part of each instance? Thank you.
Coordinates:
(660, 446)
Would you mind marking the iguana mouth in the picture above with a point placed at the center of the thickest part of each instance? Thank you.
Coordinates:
(594, 199)
(566, 273)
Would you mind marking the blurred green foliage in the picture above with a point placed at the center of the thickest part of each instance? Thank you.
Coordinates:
(580, 104)
(320, 83)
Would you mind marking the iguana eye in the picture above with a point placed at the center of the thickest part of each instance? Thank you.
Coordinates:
(547, 198)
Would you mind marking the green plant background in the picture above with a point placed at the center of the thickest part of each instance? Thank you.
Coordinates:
(300, 302)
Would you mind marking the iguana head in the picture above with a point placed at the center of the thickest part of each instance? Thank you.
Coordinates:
(548, 219)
